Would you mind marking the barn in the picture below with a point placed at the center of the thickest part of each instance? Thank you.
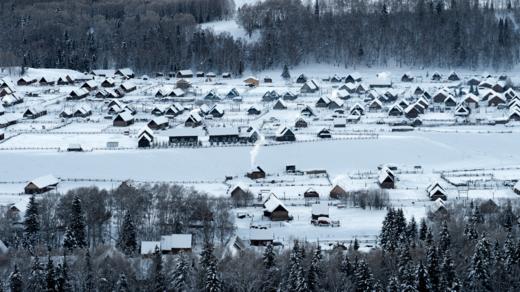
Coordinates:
(223, 135)
(435, 191)
(123, 119)
(285, 134)
(260, 237)
(275, 210)
(186, 136)
(41, 184)
(34, 112)
(337, 192)
(319, 210)
(386, 178)
(158, 123)
(256, 173)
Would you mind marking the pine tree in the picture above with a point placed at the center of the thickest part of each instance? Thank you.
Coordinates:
(478, 275)
(180, 276)
(510, 257)
(432, 267)
(423, 230)
(405, 270)
(363, 278)
(31, 223)
(269, 257)
(411, 232)
(127, 241)
(50, 275)
(356, 244)
(158, 276)
(63, 282)
(444, 238)
(285, 74)
(422, 282)
(75, 232)
(296, 281)
(36, 281)
(15, 280)
(448, 280)
(208, 270)
(122, 284)
(314, 273)
(89, 273)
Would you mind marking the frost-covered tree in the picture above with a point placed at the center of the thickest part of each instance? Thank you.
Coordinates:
(31, 223)
(422, 282)
(296, 281)
(448, 276)
(75, 232)
(50, 275)
(363, 278)
(36, 281)
(157, 272)
(315, 271)
(127, 241)
(478, 274)
(181, 275)
(89, 273)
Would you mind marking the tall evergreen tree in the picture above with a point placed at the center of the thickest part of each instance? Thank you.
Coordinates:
(296, 281)
(314, 273)
(478, 275)
(36, 281)
(63, 281)
(127, 241)
(31, 222)
(285, 74)
(448, 280)
(181, 274)
(363, 278)
(50, 275)
(158, 273)
(422, 282)
(75, 234)
(423, 230)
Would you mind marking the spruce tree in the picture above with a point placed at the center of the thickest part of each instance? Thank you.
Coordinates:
(269, 257)
(212, 282)
(356, 244)
(285, 74)
(181, 274)
(448, 280)
(444, 238)
(478, 275)
(127, 241)
(296, 280)
(31, 223)
(423, 230)
(432, 267)
(422, 282)
(363, 278)
(315, 270)
(15, 280)
(158, 274)
(50, 275)
(510, 257)
(405, 269)
(75, 232)
(63, 282)
(411, 232)
(36, 281)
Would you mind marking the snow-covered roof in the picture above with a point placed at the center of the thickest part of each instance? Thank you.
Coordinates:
(272, 203)
(223, 131)
(176, 241)
(148, 247)
(261, 234)
(45, 181)
(125, 116)
(183, 132)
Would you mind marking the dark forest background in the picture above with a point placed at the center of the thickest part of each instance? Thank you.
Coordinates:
(163, 35)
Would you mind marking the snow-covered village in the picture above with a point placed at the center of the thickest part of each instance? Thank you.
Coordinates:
(352, 168)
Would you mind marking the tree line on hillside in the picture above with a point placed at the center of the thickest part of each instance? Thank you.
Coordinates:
(475, 247)
(164, 35)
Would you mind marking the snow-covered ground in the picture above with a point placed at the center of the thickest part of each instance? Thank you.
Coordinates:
(477, 158)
